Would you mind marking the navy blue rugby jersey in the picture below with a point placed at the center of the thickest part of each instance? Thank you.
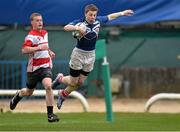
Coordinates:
(88, 41)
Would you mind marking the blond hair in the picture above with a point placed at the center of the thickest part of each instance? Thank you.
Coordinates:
(34, 15)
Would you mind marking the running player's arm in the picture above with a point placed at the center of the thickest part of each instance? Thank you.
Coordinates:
(28, 49)
(121, 13)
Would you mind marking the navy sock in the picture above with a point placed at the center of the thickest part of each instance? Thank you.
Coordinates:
(49, 109)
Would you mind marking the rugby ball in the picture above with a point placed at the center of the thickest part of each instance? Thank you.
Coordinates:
(77, 34)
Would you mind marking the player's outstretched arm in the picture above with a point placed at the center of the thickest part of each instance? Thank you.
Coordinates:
(121, 13)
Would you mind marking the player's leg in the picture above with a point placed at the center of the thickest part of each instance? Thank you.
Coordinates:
(49, 92)
(59, 79)
(77, 78)
(46, 76)
(73, 85)
(74, 63)
(83, 76)
(31, 83)
(19, 95)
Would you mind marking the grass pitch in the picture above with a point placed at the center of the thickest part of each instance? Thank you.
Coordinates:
(89, 122)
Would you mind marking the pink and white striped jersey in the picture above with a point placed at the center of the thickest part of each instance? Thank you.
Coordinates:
(40, 58)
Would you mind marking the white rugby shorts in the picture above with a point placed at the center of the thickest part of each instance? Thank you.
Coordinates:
(82, 60)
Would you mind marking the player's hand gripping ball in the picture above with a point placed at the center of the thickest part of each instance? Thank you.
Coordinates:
(77, 34)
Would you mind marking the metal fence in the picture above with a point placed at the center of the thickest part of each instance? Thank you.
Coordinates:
(13, 73)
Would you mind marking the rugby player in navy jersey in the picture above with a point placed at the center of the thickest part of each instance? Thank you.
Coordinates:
(83, 55)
